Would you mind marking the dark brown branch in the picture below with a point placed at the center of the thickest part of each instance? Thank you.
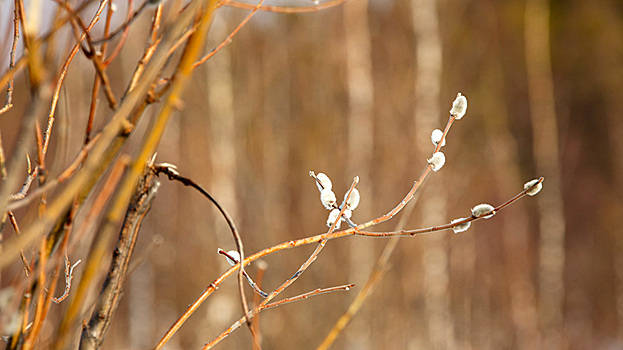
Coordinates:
(94, 332)
(172, 173)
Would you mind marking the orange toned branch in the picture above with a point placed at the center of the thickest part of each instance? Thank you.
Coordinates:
(69, 276)
(96, 81)
(126, 25)
(309, 240)
(23, 60)
(21, 200)
(450, 225)
(315, 253)
(291, 244)
(255, 322)
(23, 311)
(380, 268)
(36, 328)
(113, 137)
(124, 36)
(21, 253)
(44, 306)
(61, 78)
(149, 50)
(91, 53)
(99, 204)
(375, 277)
(170, 171)
(19, 65)
(256, 288)
(255, 311)
(41, 280)
(9, 91)
(229, 37)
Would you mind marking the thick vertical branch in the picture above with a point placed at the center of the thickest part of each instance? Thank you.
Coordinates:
(94, 332)
(547, 157)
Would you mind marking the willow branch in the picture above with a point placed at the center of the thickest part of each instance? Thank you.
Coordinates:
(94, 332)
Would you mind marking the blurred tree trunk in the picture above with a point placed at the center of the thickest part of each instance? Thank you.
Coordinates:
(516, 235)
(612, 83)
(360, 119)
(547, 158)
(433, 209)
(222, 135)
(276, 148)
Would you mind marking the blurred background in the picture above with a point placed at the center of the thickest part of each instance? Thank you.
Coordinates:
(355, 90)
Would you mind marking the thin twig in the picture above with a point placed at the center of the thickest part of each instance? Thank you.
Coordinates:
(255, 322)
(113, 137)
(149, 50)
(21, 253)
(291, 244)
(23, 60)
(40, 300)
(172, 173)
(125, 26)
(20, 200)
(63, 73)
(253, 285)
(230, 36)
(124, 36)
(452, 224)
(91, 53)
(315, 253)
(297, 243)
(255, 311)
(69, 276)
(380, 268)
(23, 310)
(9, 91)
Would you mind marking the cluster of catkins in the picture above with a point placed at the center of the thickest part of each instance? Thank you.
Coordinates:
(436, 162)
(329, 200)
(459, 107)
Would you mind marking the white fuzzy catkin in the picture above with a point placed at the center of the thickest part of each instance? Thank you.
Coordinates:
(325, 182)
(437, 161)
(436, 136)
(462, 227)
(328, 199)
(459, 106)
(347, 214)
(483, 210)
(234, 254)
(536, 189)
(353, 200)
(333, 217)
